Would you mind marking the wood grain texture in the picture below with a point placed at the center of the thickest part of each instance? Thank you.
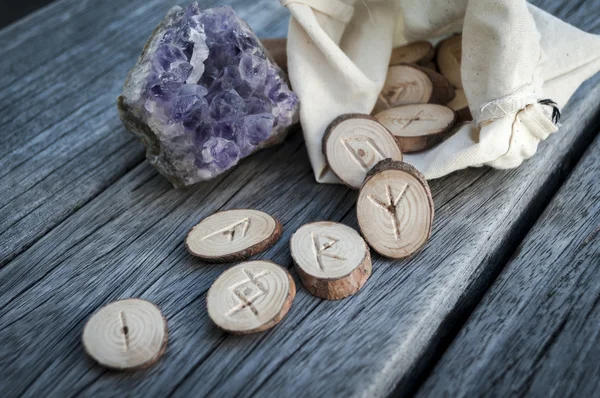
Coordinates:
(127, 242)
(536, 331)
(60, 75)
(124, 238)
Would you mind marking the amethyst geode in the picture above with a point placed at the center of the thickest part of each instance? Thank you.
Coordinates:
(204, 94)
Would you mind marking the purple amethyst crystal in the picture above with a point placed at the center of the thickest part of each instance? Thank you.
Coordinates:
(204, 94)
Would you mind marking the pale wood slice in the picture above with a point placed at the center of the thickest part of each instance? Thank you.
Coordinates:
(395, 209)
(277, 48)
(449, 59)
(250, 297)
(332, 259)
(127, 334)
(418, 127)
(233, 235)
(461, 106)
(354, 143)
(412, 84)
(419, 52)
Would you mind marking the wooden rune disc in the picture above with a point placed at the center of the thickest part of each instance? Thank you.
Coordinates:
(277, 48)
(353, 143)
(395, 209)
(419, 52)
(332, 259)
(418, 127)
(443, 92)
(233, 235)
(461, 106)
(449, 59)
(126, 335)
(250, 297)
(411, 84)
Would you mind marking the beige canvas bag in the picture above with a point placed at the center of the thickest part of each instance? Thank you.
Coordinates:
(514, 56)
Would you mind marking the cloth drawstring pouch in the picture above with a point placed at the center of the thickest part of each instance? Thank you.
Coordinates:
(519, 66)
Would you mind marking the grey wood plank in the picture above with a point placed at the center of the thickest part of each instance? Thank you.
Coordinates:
(63, 141)
(127, 241)
(536, 331)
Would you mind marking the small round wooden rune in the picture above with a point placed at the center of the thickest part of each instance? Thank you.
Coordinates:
(233, 235)
(126, 335)
(354, 143)
(395, 209)
(412, 84)
(332, 259)
(251, 297)
(419, 52)
(418, 127)
(449, 59)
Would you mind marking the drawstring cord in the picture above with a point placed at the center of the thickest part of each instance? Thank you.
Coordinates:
(555, 111)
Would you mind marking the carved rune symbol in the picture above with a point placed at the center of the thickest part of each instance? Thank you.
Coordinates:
(391, 206)
(124, 330)
(394, 93)
(415, 118)
(230, 230)
(320, 249)
(359, 148)
(248, 291)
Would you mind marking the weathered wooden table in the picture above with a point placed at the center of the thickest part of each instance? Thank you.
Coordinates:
(503, 300)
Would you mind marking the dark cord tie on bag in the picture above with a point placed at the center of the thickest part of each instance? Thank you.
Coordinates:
(555, 111)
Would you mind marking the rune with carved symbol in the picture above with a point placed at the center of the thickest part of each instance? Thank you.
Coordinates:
(354, 143)
(126, 334)
(332, 259)
(418, 52)
(233, 235)
(395, 209)
(251, 297)
(413, 84)
(418, 127)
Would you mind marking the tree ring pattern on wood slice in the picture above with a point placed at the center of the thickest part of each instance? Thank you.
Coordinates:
(127, 334)
(354, 143)
(332, 259)
(233, 235)
(251, 297)
(412, 84)
(418, 127)
(395, 209)
(404, 84)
